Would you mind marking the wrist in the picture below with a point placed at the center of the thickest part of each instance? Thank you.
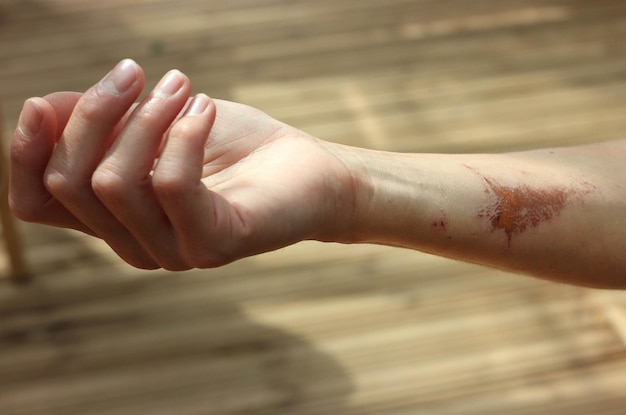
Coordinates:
(398, 199)
(348, 193)
(377, 196)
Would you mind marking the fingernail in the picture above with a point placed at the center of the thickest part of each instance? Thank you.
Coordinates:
(29, 123)
(171, 83)
(198, 105)
(122, 77)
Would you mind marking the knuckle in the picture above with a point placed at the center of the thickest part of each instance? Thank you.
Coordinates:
(108, 185)
(185, 127)
(168, 184)
(90, 107)
(63, 186)
(148, 115)
(18, 151)
(97, 104)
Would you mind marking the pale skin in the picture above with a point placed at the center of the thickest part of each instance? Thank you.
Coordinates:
(180, 182)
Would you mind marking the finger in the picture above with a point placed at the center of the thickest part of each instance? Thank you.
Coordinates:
(63, 104)
(123, 179)
(178, 117)
(86, 136)
(31, 148)
(200, 217)
(134, 150)
(82, 145)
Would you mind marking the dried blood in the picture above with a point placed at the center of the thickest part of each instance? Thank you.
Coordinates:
(519, 208)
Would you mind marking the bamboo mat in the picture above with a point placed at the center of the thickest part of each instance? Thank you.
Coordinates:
(315, 328)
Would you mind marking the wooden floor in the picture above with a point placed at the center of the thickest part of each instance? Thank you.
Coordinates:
(323, 329)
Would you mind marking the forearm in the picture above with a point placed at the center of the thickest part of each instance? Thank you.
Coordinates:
(556, 214)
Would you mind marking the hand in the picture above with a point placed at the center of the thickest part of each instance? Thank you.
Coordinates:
(170, 182)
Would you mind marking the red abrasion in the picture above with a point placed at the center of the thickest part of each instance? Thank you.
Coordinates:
(519, 208)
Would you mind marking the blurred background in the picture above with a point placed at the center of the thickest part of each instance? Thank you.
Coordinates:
(321, 328)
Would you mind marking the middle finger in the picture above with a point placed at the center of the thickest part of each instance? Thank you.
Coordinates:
(123, 179)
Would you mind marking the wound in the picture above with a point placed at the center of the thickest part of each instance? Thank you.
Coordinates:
(441, 221)
(515, 209)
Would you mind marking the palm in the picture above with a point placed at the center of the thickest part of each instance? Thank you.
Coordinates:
(272, 175)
